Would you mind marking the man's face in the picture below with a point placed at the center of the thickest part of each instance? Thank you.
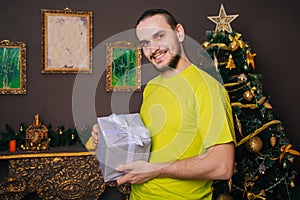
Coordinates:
(159, 42)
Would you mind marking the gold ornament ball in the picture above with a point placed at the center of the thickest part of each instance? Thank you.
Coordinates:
(225, 197)
(254, 145)
(248, 95)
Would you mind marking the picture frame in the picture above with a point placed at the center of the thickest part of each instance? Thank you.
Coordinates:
(66, 41)
(123, 71)
(12, 67)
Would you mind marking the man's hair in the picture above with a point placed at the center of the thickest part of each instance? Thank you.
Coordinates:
(151, 12)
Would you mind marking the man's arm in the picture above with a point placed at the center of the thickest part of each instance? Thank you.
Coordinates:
(217, 163)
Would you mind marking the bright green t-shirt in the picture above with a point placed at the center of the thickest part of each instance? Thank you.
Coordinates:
(185, 114)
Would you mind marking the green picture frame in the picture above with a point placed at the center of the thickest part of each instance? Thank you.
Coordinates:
(12, 67)
(66, 41)
(123, 72)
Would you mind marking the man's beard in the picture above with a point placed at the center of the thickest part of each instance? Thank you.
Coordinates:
(172, 64)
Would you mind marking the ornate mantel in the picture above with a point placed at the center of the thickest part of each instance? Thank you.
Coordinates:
(68, 172)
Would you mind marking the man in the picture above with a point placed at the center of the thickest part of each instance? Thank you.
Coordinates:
(189, 118)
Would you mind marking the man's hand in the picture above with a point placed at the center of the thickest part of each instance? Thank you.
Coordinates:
(139, 172)
(95, 136)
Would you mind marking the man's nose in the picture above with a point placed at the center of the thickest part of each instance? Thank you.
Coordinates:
(153, 47)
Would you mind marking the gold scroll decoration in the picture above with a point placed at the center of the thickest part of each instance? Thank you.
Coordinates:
(12, 189)
(60, 177)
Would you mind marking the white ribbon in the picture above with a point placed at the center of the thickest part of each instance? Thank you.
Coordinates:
(135, 131)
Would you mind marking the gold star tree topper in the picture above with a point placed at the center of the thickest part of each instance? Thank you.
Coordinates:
(223, 20)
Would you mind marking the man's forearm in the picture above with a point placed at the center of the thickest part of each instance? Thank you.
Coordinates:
(217, 163)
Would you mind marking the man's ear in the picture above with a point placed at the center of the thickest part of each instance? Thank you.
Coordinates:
(180, 32)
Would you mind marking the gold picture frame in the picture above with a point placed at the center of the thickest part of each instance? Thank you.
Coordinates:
(66, 41)
(123, 71)
(12, 67)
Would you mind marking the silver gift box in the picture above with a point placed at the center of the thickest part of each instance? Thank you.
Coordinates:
(122, 139)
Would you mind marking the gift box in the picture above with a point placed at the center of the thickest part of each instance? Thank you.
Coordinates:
(122, 139)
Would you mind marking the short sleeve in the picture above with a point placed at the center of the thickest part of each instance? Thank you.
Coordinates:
(215, 123)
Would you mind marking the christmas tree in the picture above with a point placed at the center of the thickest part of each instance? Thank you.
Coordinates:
(264, 156)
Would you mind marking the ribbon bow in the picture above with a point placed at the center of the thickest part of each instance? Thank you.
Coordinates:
(133, 129)
(286, 149)
(236, 42)
(252, 196)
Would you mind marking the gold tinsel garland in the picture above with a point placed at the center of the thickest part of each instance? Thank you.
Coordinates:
(257, 131)
(251, 106)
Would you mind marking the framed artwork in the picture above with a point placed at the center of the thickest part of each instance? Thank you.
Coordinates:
(12, 67)
(66, 41)
(123, 72)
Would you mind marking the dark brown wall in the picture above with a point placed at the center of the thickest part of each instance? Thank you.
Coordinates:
(271, 28)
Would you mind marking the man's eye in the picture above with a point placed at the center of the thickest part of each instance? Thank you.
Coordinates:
(144, 44)
(160, 36)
